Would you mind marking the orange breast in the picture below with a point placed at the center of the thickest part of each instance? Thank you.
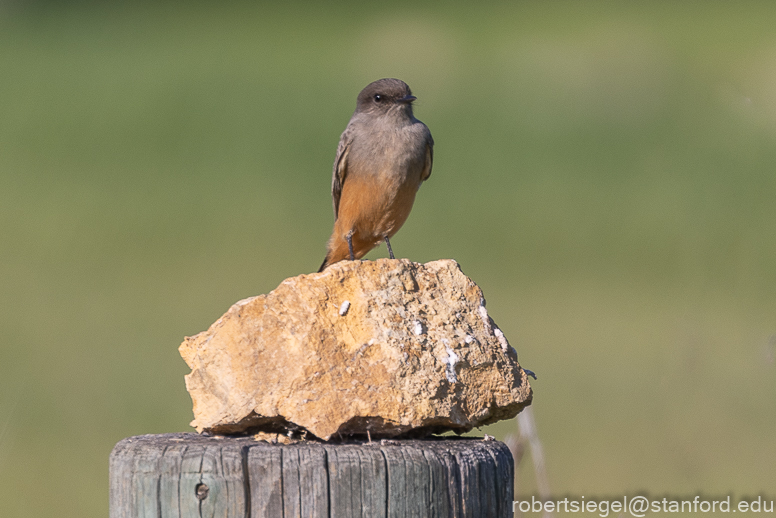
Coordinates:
(372, 206)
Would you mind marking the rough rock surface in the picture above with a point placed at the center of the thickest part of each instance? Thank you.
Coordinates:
(389, 347)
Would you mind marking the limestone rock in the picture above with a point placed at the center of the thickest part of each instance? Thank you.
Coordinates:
(389, 347)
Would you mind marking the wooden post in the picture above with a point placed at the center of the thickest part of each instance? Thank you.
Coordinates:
(187, 475)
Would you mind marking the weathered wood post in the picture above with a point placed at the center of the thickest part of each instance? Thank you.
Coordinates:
(386, 349)
(188, 475)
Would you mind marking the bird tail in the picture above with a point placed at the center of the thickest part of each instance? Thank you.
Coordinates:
(324, 264)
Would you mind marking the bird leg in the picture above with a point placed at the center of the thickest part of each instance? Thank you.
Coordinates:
(349, 237)
(388, 244)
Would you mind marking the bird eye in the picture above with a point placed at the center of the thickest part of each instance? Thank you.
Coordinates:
(378, 98)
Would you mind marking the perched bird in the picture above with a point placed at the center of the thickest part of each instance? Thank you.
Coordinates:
(383, 156)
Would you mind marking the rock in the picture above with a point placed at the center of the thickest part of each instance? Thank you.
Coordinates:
(275, 438)
(389, 347)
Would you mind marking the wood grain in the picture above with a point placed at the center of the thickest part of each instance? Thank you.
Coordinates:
(190, 475)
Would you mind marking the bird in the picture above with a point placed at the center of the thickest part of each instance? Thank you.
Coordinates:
(383, 157)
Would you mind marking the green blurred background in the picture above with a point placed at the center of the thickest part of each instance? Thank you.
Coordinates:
(606, 171)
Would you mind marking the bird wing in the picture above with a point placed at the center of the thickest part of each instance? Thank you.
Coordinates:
(340, 168)
(429, 159)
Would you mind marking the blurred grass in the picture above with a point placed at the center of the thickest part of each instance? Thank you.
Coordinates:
(604, 170)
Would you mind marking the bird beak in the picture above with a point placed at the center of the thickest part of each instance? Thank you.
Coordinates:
(407, 99)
